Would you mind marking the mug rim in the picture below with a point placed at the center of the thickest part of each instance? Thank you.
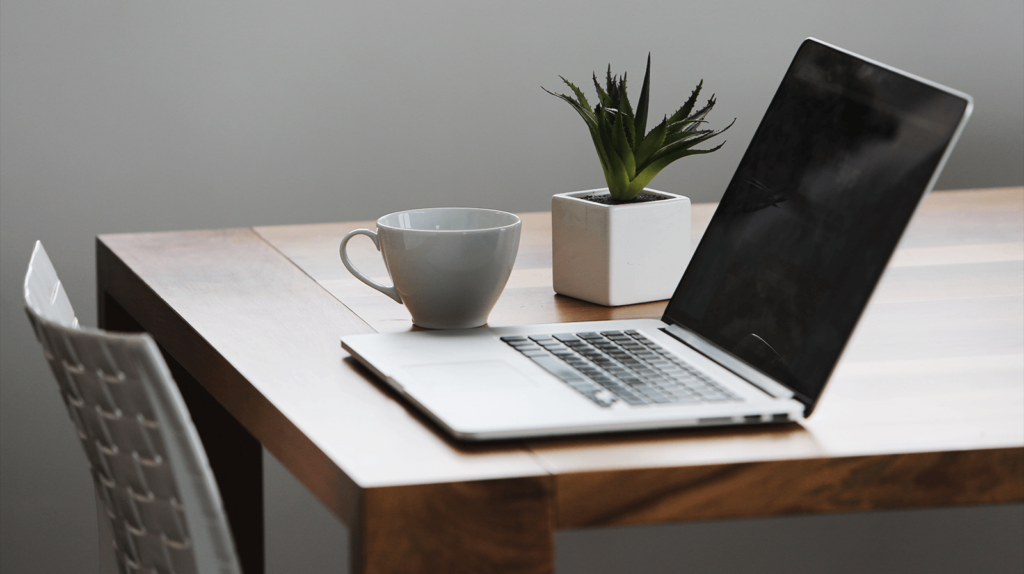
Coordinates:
(516, 220)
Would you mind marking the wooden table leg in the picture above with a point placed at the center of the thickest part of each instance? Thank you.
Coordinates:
(471, 527)
(235, 456)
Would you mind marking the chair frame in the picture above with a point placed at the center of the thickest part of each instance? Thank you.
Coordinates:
(150, 471)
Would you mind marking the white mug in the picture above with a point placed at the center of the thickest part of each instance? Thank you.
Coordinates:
(448, 265)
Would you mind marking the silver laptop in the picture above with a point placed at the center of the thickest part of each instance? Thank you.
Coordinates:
(845, 153)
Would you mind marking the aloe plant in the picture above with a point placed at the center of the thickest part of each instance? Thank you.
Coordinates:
(630, 156)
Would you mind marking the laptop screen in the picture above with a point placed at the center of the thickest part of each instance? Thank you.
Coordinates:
(840, 161)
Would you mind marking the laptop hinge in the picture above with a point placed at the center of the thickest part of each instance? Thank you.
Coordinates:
(741, 369)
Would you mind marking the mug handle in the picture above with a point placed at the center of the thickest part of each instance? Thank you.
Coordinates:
(389, 291)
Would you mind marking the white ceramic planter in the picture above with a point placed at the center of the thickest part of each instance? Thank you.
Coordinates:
(619, 254)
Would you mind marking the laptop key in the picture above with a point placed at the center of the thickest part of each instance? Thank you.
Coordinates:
(584, 386)
(603, 397)
(634, 400)
(520, 343)
(556, 367)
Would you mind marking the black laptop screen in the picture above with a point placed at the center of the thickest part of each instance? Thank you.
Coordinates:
(809, 221)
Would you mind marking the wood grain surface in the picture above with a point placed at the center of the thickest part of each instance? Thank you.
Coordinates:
(935, 365)
(925, 409)
(816, 485)
(528, 297)
(264, 340)
(458, 528)
(935, 370)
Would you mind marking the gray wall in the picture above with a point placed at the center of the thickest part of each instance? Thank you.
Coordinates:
(120, 115)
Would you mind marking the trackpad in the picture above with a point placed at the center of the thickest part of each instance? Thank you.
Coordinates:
(463, 378)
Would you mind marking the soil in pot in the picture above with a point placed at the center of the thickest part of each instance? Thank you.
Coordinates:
(606, 199)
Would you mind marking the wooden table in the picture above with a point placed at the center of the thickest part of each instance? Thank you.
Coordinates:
(926, 408)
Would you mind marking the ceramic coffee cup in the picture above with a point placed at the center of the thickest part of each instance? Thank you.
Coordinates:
(448, 265)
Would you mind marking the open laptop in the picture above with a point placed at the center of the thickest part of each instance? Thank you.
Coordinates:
(845, 153)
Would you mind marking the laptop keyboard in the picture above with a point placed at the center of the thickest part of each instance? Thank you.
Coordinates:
(623, 366)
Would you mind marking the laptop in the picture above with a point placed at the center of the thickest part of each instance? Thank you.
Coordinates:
(845, 153)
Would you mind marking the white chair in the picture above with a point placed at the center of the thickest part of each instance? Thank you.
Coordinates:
(148, 465)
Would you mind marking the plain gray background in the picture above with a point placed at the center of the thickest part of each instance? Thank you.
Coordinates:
(141, 115)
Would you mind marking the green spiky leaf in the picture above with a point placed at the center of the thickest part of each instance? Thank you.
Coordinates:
(630, 157)
(602, 95)
(622, 147)
(643, 104)
(616, 177)
(626, 113)
(685, 110)
(651, 143)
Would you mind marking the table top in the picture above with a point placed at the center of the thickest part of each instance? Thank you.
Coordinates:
(925, 408)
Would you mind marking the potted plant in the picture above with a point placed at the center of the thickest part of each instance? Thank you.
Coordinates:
(627, 244)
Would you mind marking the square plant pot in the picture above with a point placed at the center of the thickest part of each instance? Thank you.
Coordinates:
(619, 254)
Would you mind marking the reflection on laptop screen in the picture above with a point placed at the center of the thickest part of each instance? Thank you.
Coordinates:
(807, 225)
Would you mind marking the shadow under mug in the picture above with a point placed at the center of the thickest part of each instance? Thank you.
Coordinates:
(448, 265)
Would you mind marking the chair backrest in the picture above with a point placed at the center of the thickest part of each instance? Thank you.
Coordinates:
(147, 462)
